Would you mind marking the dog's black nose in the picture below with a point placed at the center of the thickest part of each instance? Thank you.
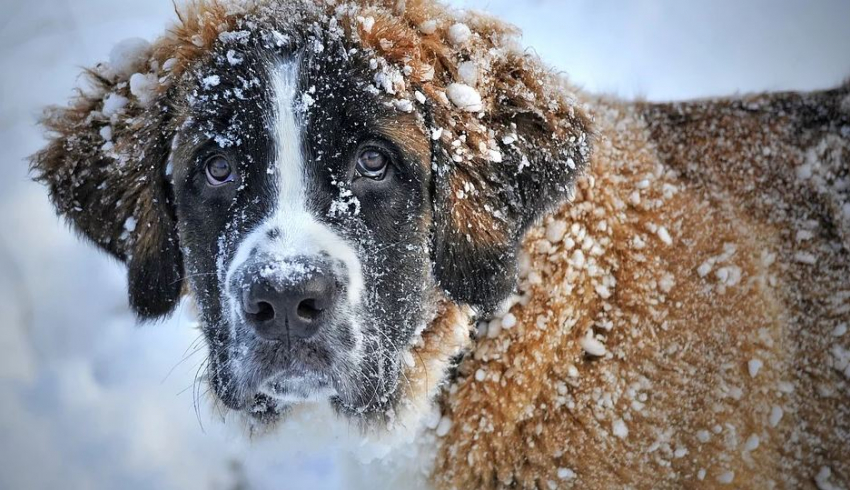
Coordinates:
(289, 300)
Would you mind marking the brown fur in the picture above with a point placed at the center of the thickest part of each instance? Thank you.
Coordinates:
(407, 132)
(678, 361)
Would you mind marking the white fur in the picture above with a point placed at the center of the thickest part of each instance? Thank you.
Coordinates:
(300, 233)
(367, 461)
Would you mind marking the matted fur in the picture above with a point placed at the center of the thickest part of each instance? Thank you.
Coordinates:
(705, 249)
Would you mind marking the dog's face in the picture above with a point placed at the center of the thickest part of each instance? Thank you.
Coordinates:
(304, 215)
(318, 195)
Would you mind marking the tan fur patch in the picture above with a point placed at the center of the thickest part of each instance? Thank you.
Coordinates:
(444, 338)
(468, 217)
(199, 24)
(405, 131)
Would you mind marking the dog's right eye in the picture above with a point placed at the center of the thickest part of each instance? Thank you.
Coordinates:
(372, 164)
(219, 171)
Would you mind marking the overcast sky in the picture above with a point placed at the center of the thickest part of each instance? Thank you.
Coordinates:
(683, 49)
(89, 401)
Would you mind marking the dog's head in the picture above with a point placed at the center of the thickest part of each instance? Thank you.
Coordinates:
(329, 183)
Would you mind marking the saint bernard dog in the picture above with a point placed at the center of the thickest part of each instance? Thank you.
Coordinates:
(391, 214)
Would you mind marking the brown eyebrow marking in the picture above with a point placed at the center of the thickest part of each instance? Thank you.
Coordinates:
(405, 131)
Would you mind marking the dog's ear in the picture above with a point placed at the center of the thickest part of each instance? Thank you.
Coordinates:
(105, 166)
(496, 171)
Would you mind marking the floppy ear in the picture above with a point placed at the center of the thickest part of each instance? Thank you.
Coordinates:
(491, 186)
(105, 167)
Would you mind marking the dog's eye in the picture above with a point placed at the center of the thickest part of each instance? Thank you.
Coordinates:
(372, 163)
(218, 170)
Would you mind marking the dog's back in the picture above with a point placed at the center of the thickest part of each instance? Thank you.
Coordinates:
(683, 322)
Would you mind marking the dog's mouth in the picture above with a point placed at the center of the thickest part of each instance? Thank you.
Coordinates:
(291, 371)
(293, 388)
(265, 380)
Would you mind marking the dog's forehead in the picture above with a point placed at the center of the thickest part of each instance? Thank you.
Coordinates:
(230, 94)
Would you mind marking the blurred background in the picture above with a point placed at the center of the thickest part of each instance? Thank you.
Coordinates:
(89, 400)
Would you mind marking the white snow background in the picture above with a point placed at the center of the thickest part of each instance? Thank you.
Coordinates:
(88, 400)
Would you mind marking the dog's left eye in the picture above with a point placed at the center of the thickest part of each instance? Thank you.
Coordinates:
(219, 170)
(372, 163)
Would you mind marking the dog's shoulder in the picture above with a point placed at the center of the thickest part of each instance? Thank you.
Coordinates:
(664, 328)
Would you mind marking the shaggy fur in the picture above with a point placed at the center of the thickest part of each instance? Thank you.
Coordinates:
(726, 357)
(681, 322)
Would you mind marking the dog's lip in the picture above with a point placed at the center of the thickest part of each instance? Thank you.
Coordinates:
(293, 386)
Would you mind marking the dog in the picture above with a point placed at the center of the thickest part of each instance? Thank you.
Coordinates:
(390, 210)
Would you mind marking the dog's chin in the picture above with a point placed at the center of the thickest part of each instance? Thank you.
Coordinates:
(267, 404)
(291, 389)
(271, 400)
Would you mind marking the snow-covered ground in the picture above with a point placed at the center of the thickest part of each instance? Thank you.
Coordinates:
(88, 400)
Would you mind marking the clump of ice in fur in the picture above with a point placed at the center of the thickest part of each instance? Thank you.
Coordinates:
(468, 72)
(428, 27)
(143, 87)
(464, 97)
(113, 104)
(459, 34)
(592, 346)
(129, 56)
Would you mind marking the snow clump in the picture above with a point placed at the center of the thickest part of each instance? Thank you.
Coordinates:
(566, 474)
(753, 366)
(234, 58)
(619, 429)
(113, 104)
(464, 97)
(468, 72)
(775, 417)
(211, 81)
(144, 87)
(459, 34)
(428, 27)
(106, 133)
(592, 346)
(129, 56)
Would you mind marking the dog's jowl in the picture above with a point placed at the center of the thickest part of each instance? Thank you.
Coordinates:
(390, 212)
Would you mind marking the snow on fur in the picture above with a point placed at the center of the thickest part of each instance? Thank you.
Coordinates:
(411, 64)
(637, 336)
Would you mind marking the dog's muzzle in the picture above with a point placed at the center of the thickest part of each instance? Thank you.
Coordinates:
(293, 304)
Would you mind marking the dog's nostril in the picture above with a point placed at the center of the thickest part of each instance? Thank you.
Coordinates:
(307, 309)
(292, 303)
(265, 312)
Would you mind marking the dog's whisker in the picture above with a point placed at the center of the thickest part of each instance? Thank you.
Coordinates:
(195, 348)
(203, 368)
(191, 276)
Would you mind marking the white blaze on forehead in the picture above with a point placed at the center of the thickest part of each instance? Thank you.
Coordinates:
(300, 234)
(288, 129)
